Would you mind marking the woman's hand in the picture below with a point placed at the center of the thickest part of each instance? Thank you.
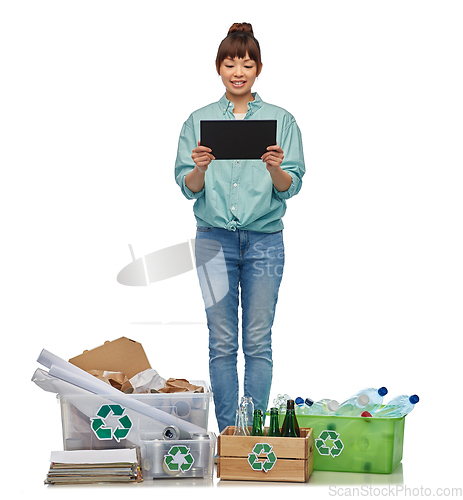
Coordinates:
(202, 157)
(273, 157)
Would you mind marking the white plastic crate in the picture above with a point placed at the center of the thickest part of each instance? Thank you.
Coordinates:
(178, 459)
(95, 422)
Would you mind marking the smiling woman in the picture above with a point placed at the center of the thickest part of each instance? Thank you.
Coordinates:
(239, 204)
(238, 76)
(239, 63)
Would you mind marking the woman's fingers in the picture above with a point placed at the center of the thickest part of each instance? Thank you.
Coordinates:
(198, 157)
(202, 152)
(273, 155)
(202, 156)
(273, 159)
(275, 148)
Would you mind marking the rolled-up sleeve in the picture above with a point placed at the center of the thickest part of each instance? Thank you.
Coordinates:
(184, 163)
(293, 162)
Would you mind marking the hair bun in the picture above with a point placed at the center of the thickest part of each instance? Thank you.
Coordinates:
(237, 27)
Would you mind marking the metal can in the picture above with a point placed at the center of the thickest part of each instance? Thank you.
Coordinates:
(170, 433)
(200, 450)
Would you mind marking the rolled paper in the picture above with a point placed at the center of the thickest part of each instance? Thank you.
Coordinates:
(68, 372)
(87, 402)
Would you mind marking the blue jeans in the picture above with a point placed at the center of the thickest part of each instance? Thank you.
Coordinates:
(253, 262)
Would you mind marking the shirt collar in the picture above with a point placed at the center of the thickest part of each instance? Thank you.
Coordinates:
(254, 105)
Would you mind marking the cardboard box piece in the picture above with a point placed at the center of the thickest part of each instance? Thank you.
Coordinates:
(120, 355)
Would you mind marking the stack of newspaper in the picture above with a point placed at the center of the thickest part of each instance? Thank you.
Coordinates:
(94, 466)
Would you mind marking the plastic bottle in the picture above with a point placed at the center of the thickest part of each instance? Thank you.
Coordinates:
(354, 406)
(376, 398)
(322, 407)
(280, 402)
(303, 407)
(398, 407)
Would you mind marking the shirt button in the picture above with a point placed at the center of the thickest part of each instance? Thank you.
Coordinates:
(233, 208)
(235, 184)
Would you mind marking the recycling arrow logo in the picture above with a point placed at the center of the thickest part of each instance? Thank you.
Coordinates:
(100, 425)
(262, 449)
(329, 443)
(179, 458)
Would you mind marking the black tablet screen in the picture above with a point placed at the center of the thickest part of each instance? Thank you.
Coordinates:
(238, 139)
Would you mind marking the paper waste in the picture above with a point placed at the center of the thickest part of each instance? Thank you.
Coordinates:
(67, 380)
(94, 466)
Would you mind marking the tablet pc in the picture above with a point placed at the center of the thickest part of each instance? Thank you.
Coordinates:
(238, 139)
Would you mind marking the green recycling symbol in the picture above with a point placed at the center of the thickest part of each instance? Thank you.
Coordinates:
(178, 458)
(329, 443)
(270, 457)
(104, 432)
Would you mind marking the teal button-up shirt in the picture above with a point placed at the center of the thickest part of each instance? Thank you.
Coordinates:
(239, 194)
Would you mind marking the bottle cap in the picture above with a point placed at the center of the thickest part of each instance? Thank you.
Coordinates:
(290, 404)
(363, 399)
(332, 405)
(299, 401)
(308, 401)
(382, 391)
(414, 399)
(366, 414)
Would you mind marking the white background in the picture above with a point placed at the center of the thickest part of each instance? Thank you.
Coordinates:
(93, 97)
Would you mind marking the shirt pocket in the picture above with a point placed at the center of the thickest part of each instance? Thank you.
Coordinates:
(260, 165)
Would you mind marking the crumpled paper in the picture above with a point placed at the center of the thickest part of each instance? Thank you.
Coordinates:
(118, 380)
(147, 381)
(180, 385)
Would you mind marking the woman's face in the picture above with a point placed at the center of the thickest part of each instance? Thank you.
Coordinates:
(238, 75)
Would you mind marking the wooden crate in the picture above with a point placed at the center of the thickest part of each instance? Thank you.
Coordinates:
(241, 457)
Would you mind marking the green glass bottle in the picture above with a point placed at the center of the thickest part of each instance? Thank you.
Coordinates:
(274, 429)
(290, 426)
(257, 424)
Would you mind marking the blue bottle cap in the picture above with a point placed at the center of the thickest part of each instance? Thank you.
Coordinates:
(414, 399)
(308, 401)
(299, 401)
(382, 391)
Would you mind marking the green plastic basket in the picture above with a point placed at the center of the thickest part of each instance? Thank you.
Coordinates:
(355, 444)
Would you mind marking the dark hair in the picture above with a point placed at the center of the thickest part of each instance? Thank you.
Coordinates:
(239, 42)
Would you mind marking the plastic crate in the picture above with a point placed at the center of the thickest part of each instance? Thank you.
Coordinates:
(178, 459)
(94, 422)
(355, 444)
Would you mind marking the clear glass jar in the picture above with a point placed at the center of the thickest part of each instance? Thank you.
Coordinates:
(241, 428)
